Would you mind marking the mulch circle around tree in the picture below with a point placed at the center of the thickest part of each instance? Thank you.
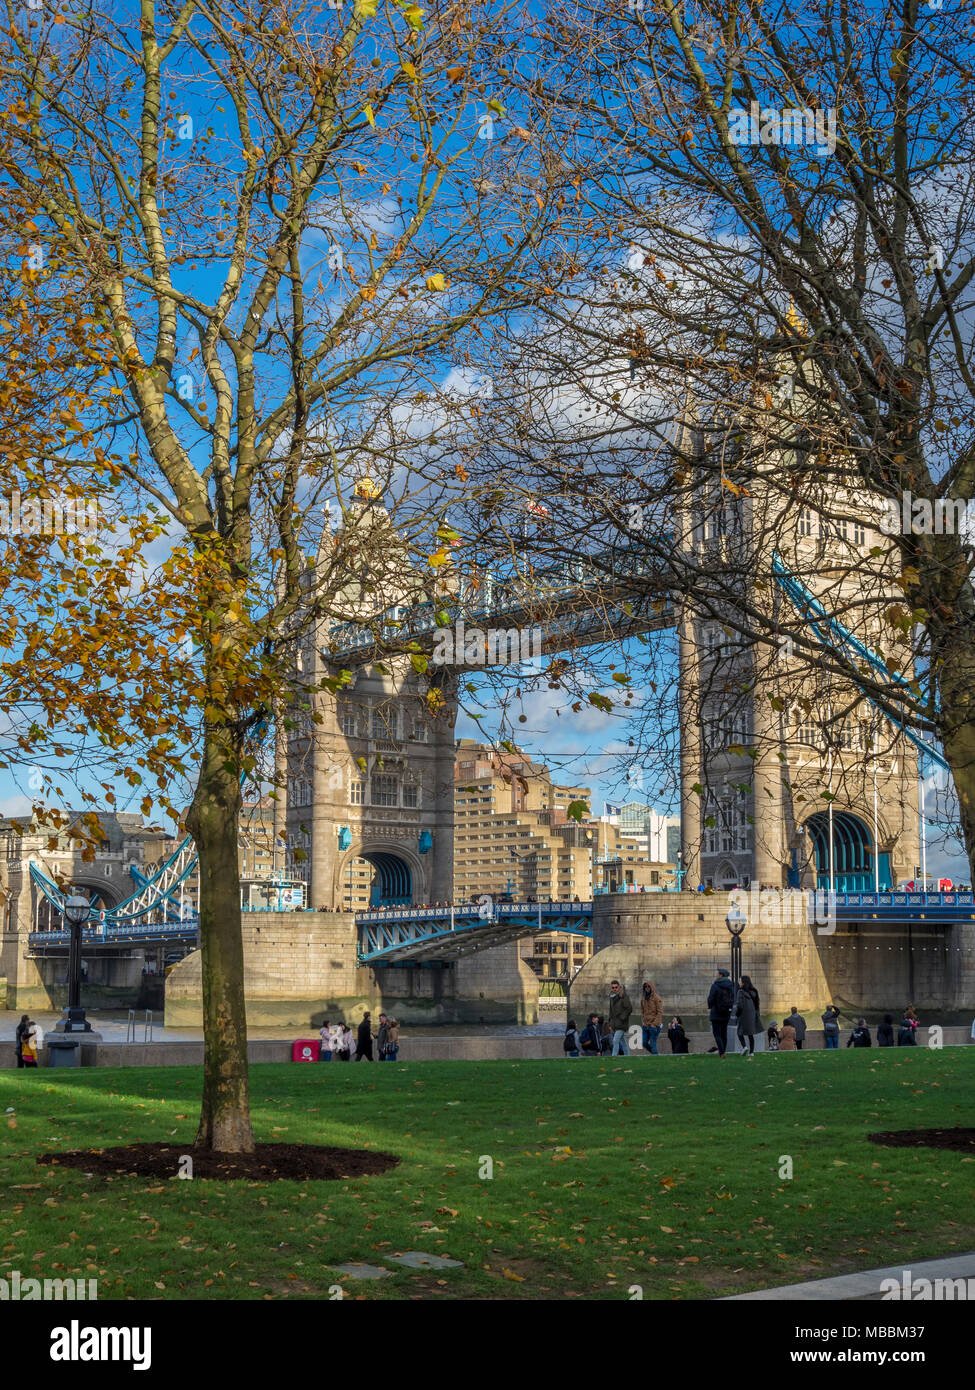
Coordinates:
(961, 1140)
(269, 1162)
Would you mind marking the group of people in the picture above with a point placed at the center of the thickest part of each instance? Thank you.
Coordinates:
(725, 1001)
(29, 1037)
(791, 1036)
(339, 1041)
(606, 1035)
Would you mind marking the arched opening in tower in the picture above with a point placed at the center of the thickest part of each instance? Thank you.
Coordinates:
(393, 884)
(849, 847)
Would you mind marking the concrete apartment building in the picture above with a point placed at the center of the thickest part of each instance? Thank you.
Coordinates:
(513, 834)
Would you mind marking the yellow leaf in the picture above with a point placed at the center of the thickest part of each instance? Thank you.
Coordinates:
(510, 1274)
(410, 71)
(436, 282)
(367, 112)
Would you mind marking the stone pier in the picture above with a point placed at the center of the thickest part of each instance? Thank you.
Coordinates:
(300, 968)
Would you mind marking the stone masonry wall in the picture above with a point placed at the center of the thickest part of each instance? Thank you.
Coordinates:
(300, 968)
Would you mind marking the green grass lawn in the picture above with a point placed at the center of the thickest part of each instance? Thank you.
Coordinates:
(659, 1172)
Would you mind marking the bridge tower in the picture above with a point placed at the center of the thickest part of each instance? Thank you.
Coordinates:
(789, 777)
(370, 768)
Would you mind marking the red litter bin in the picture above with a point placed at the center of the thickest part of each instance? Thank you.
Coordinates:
(305, 1050)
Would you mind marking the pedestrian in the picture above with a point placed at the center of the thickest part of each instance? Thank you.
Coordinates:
(392, 1040)
(325, 1045)
(348, 1043)
(364, 1038)
(591, 1038)
(382, 1037)
(605, 1036)
(28, 1043)
(796, 1021)
(907, 1031)
(23, 1028)
(831, 1026)
(570, 1043)
(749, 1021)
(860, 1036)
(677, 1036)
(721, 998)
(885, 1032)
(652, 1016)
(620, 1009)
(787, 1038)
(772, 1038)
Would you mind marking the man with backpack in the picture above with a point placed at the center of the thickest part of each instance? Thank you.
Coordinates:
(570, 1043)
(860, 1037)
(591, 1040)
(721, 998)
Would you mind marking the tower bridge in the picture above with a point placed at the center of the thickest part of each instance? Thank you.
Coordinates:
(373, 780)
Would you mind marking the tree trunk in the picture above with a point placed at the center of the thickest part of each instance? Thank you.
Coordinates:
(225, 1123)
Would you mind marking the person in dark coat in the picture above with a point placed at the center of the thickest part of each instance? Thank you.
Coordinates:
(749, 1021)
(606, 1036)
(860, 1037)
(23, 1028)
(591, 1038)
(721, 998)
(885, 1032)
(798, 1024)
(363, 1045)
(677, 1036)
(907, 1031)
(831, 1026)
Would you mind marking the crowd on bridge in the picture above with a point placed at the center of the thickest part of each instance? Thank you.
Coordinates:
(731, 1005)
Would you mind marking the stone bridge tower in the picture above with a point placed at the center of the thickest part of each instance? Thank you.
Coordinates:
(370, 800)
(789, 777)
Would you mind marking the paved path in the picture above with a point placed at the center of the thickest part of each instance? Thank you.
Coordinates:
(868, 1284)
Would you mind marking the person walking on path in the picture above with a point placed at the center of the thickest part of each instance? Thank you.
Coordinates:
(677, 1036)
(382, 1037)
(860, 1037)
(721, 997)
(364, 1037)
(787, 1037)
(325, 1045)
(392, 1040)
(570, 1043)
(885, 1032)
(747, 1008)
(831, 1026)
(620, 1009)
(797, 1022)
(591, 1038)
(651, 1016)
(23, 1028)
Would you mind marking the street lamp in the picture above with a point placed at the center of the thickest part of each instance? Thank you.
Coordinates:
(736, 921)
(77, 910)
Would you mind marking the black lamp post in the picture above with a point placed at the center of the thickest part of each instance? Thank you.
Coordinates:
(77, 910)
(736, 922)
